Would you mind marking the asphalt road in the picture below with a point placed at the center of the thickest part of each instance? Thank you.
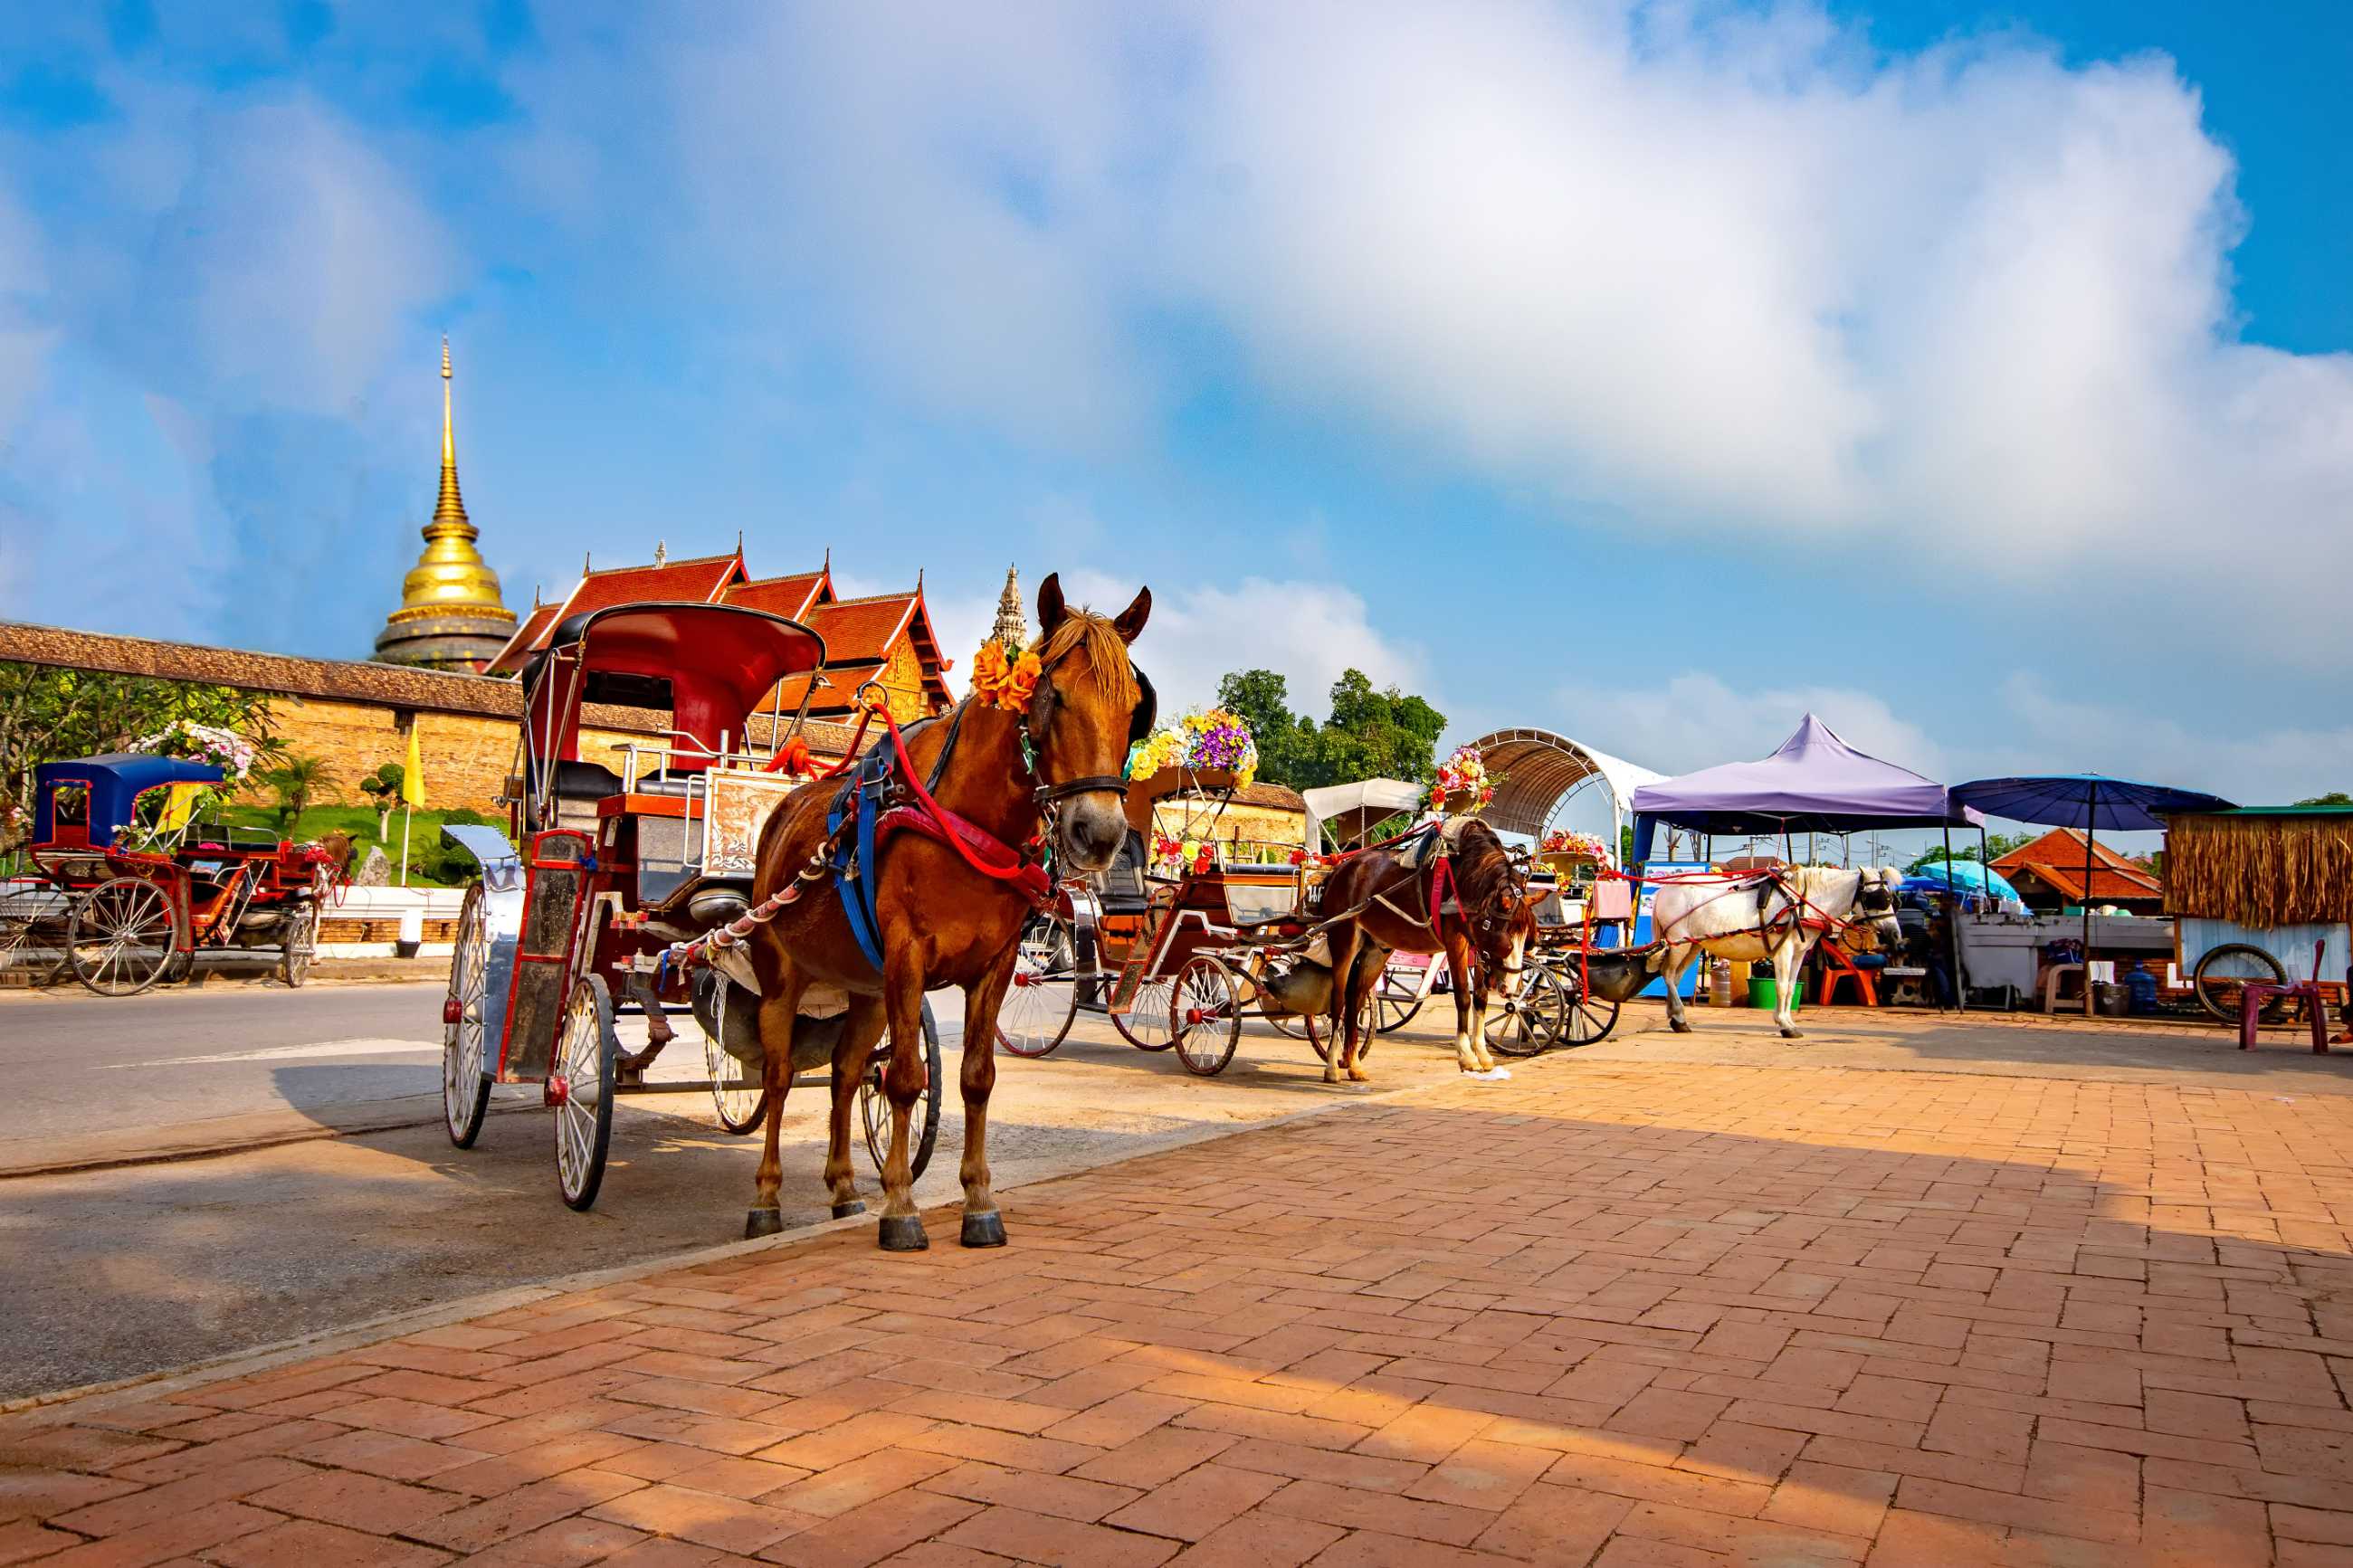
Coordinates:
(110, 1273)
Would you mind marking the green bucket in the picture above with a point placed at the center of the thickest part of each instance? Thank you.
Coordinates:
(1765, 992)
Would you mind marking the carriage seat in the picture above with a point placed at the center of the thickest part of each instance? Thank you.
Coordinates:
(581, 781)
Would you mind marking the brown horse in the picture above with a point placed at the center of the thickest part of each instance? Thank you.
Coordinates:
(1055, 765)
(1481, 922)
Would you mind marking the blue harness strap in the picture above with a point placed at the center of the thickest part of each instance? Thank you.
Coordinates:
(854, 862)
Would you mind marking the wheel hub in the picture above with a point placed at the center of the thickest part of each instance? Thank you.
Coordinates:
(558, 1091)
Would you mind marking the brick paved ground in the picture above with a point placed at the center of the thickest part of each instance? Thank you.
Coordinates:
(1613, 1314)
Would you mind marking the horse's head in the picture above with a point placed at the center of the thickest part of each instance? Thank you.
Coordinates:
(1874, 905)
(1492, 892)
(1091, 706)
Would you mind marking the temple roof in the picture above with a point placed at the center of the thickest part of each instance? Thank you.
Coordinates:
(2057, 857)
(701, 580)
(793, 595)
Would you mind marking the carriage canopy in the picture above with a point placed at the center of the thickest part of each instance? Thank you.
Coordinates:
(114, 781)
(711, 665)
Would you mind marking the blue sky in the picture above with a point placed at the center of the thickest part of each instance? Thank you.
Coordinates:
(1651, 372)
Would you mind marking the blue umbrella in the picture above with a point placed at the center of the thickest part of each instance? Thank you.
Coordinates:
(2088, 801)
(1967, 874)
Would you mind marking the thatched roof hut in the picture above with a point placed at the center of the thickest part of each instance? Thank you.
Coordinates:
(2264, 866)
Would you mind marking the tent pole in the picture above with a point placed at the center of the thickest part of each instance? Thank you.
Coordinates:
(2091, 833)
(1953, 925)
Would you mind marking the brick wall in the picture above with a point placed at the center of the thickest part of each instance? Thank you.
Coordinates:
(464, 757)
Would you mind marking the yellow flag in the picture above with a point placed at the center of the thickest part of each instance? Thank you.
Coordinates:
(179, 806)
(412, 777)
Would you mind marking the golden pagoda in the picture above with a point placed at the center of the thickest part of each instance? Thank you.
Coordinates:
(451, 615)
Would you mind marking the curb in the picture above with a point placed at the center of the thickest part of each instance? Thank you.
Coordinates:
(374, 1330)
(121, 1151)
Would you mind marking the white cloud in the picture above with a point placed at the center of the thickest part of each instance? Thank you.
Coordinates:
(1708, 273)
(1695, 720)
(1198, 633)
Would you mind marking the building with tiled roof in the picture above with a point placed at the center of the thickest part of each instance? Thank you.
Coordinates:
(884, 638)
(2050, 872)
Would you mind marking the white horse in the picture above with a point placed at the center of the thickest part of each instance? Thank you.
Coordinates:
(1779, 915)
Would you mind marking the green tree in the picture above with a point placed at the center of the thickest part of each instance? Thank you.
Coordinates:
(2334, 798)
(1262, 700)
(1376, 733)
(298, 781)
(383, 787)
(48, 714)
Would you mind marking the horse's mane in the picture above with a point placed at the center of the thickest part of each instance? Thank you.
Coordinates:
(1106, 653)
(1483, 866)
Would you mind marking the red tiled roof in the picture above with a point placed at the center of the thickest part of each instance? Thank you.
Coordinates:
(863, 629)
(2057, 859)
(527, 637)
(694, 582)
(793, 597)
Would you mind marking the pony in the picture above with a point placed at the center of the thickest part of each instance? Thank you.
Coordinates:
(1049, 772)
(1380, 901)
(1779, 915)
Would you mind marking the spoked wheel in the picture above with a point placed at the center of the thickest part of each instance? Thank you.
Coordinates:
(922, 1121)
(465, 1072)
(1585, 1019)
(123, 936)
(1044, 996)
(1205, 1014)
(1145, 1025)
(1529, 1023)
(1395, 1001)
(2222, 975)
(582, 1088)
(33, 918)
(300, 945)
(737, 1093)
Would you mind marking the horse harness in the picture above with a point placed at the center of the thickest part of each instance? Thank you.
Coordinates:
(880, 797)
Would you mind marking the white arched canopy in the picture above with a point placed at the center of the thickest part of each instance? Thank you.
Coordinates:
(1541, 770)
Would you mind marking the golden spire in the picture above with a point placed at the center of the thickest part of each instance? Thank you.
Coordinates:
(1012, 628)
(451, 587)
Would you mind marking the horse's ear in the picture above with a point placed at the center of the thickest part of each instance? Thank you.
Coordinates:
(1050, 608)
(1129, 623)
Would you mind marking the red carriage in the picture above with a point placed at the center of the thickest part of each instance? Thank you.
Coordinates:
(133, 889)
(609, 868)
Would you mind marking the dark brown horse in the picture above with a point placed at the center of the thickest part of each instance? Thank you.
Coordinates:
(1478, 917)
(1057, 765)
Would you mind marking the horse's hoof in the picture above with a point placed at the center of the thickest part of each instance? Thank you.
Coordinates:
(1679, 1026)
(843, 1211)
(763, 1222)
(984, 1229)
(904, 1233)
(1793, 1034)
(1357, 1076)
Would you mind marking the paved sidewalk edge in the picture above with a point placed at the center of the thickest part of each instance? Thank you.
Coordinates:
(326, 1341)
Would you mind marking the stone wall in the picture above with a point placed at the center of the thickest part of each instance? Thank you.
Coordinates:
(464, 757)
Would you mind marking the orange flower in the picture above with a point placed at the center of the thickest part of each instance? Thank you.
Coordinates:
(1001, 679)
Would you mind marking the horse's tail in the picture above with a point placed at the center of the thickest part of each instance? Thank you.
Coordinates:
(1656, 960)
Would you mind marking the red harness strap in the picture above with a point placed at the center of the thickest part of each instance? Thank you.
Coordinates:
(981, 850)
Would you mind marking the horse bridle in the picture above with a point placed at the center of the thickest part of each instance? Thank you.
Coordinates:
(1039, 720)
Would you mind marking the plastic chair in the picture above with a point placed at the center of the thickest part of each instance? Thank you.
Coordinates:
(2254, 994)
(1837, 966)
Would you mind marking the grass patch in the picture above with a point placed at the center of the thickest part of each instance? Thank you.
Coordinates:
(432, 862)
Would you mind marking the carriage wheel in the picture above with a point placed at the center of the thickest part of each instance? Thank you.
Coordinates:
(739, 1091)
(32, 934)
(1588, 1019)
(922, 1121)
(1145, 1025)
(124, 934)
(301, 943)
(584, 1101)
(1044, 996)
(1205, 1014)
(1394, 1002)
(2222, 976)
(464, 1074)
(1533, 1023)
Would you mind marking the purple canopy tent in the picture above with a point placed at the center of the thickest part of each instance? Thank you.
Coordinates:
(1815, 782)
